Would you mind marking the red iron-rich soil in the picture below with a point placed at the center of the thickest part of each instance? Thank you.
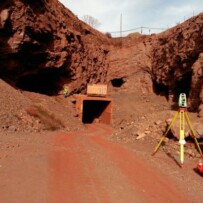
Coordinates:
(48, 155)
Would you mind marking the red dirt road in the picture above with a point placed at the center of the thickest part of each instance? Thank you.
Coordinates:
(86, 167)
(83, 167)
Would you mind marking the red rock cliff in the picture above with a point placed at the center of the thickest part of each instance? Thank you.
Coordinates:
(44, 45)
(172, 61)
(177, 59)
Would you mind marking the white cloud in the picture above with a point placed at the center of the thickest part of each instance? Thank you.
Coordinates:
(135, 13)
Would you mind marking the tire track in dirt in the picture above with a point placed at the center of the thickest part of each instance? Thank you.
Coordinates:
(86, 167)
(71, 176)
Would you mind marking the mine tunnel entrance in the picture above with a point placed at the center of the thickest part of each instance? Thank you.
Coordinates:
(161, 89)
(117, 82)
(183, 86)
(94, 109)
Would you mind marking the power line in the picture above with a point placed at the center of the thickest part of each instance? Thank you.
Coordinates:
(150, 28)
(153, 28)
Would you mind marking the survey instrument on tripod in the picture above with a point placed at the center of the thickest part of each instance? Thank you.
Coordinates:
(182, 112)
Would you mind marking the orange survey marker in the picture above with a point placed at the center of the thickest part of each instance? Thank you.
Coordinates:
(200, 167)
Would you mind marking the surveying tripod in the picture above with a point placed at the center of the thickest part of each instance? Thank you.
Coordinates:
(182, 112)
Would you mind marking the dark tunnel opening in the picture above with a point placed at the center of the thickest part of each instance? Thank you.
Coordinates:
(46, 81)
(117, 82)
(93, 109)
(161, 89)
(183, 86)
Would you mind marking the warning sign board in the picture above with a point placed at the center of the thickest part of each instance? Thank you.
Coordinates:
(97, 89)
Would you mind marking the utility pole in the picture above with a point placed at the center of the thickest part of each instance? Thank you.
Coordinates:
(121, 25)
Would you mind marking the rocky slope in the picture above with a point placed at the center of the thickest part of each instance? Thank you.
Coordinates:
(22, 111)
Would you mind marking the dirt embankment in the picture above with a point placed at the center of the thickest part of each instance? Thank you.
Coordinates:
(22, 111)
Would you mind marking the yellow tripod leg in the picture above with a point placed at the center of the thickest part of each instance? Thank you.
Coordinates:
(182, 135)
(193, 133)
(164, 135)
(181, 153)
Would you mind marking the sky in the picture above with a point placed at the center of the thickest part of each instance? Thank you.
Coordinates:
(135, 14)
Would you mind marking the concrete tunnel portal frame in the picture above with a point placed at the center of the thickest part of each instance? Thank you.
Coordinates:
(94, 109)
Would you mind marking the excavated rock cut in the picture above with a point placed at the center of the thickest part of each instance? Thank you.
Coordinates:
(38, 36)
(43, 42)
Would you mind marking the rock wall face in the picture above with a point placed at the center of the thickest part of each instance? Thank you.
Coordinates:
(44, 46)
(130, 59)
(177, 60)
(172, 60)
